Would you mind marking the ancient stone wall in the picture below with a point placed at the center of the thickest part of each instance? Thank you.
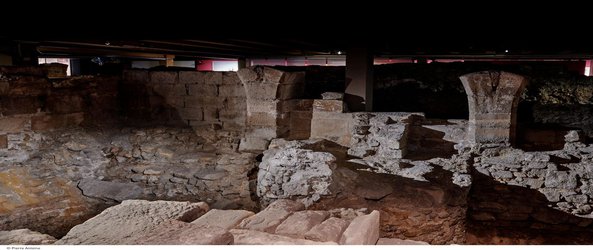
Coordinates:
(70, 147)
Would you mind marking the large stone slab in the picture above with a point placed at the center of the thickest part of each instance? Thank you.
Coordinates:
(251, 237)
(329, 230)
(107, 190)
(226, 219)
(129, 221)
(392, 241)
(176, 232)
(299, 223)
(363, 230)
(268, 219)
(25, 237)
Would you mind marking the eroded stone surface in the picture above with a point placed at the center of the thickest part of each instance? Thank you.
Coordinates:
(252, 237)
(393, 241)
(363, 230)
(299, 223)
(226, 219)
(329, 230)
(25, 237)
(175, 232)
(292, 172)
(268, 219)
(124, 223)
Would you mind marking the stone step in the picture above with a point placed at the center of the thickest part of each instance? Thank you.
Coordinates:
(299, 223)
(268, 219)
(329, 230)
(392, 241)
(363, 230)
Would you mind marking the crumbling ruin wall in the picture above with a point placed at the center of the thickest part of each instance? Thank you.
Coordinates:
(70, 147)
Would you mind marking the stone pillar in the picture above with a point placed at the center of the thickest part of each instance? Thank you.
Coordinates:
(359, 80)
(493, 97)
(268, 109)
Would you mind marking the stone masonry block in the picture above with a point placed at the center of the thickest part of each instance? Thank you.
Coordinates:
(202, 101)
(253, 144)
(262, 119)
(299, 223)
(202, 90)
(214, 78)
(13, 124)
(329, 230)
(47, 122)
(226, 219)
(231, 78)
(363, 230)
(328, 105)
(273, 75)
(163, 77)
(247, 75)
(231, 90)
(268, 219)
(262, 91)
(191, 77)
(191, 114)
(210, 113)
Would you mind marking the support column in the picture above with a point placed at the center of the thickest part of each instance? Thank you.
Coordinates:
(359, 80)
(268, 93)
(493, 97)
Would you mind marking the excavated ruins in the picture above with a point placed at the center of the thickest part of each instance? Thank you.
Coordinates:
(471, 154)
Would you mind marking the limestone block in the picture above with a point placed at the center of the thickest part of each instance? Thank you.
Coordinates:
(268, 219)
(252, 237)
(190, 114)
(130, 220)
(214, 78)
(332, 96)
(13, 124)
(230, 78)
(293, 78)
(191, 77)
(202, 101)
(175, 232)
(393, 241)
(202, 90)
(210, 113)
(249, 144)
(363, 230)
(163, 77)
(227, 219)
(273, 75)
(231, 90)
(290, 91)
(247, 75)
(262, 119)
(47, 122)
(328, 105)
(329, 230)
(262, 91)
(299, 223)
(25, 237)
